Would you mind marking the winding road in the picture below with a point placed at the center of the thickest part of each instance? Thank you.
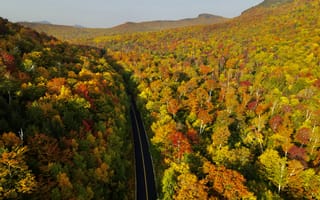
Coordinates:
(145, 184)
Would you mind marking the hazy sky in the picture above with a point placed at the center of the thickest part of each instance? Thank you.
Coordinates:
(107, 13)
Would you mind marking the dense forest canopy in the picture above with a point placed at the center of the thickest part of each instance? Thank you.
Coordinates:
(63, 120)
(232, 109)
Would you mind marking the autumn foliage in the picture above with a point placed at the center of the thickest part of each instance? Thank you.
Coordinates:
(59, 137)
(232, 109)
(234, 104)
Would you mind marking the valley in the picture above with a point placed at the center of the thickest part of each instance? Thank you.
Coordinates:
(231, 108)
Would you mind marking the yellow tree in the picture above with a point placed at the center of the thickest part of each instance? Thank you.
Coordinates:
(274, 168)
(190, 188)
(16, 179)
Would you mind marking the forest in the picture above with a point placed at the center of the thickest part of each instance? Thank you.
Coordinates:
(232, 109)
(63, 120)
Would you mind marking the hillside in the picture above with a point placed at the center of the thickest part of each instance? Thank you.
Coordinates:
(233, 108)
(64, 128)
(66, 33)
(72, 33)
(268, 3)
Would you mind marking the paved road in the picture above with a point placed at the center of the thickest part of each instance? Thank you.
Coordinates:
(145, 184)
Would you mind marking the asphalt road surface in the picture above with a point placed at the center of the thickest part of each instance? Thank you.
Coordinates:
(145, 184)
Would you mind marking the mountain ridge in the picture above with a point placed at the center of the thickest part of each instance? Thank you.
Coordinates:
(78, 32)
(268, 3)
(74, 32)
(201, 19)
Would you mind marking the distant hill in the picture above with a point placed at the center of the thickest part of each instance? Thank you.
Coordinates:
(42, 22)
(64, 32)
(202, 19)
(71, 33)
